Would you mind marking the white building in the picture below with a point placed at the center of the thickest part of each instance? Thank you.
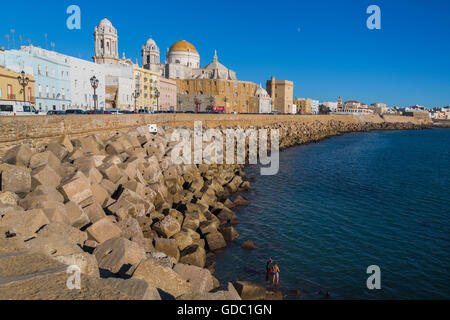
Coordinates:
(331, 106)
(314, 106)
(119, 82)
(82, 92)
(264, 100)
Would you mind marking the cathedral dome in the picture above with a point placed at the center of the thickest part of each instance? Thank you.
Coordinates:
(150, 42)
(182, 46)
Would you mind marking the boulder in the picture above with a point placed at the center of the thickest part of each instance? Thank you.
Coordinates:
(162, 277)
(208, 227)
(136, 289)
(77, 217)
(19, 156)
(46, 176)
(250, 291)
(200, 279)
(15, 179)
(167, 227)
(24, 223)
(85, 261)
(54, 210)
(58, 150)
(94, 212)
(183, 240)
(130, 228)
(118, 255)
(103, 230)
(168, 247)
(46, 158)
(229, 295)
(8, 198)
(100, 194)
(76, 189)
(191, 221)
(248, 245)
(145, 243)
(193, 255)
(229, 233)
(215, 241)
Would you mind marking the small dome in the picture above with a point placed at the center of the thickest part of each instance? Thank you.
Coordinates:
(150, 42)
(260, 92)
(182, 46)
(105, 23)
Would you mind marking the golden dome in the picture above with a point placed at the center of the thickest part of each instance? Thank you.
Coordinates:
(183, 46)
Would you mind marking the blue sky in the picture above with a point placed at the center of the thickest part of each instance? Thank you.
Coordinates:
(323, 46)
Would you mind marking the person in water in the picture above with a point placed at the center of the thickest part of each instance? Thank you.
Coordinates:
(269, 272)
(276, 273)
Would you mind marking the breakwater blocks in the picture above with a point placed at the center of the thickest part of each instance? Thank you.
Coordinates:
(111, 210)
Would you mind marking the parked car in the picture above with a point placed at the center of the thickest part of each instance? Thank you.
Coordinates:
(75, 111)
(101, 111)
(114, 111)
(56, 113)
(17, 108)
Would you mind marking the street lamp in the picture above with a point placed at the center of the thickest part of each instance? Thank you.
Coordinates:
(94, 84)
(136, 94)
(23, 81)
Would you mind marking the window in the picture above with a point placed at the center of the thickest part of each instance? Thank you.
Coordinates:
(39, 70)
(47, 92)
(0, 92)
(9, 91)
(46, 71)
(26, 109)
(6, 108)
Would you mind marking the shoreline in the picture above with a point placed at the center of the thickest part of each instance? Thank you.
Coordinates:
(293, 141)
(122, 193)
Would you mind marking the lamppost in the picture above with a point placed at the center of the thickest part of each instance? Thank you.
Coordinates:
(136, 94)
(94, 84)
(157, 95)
(23, 81)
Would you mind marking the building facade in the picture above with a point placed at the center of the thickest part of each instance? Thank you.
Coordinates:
(10, 89)
(168, 94)
(195, 102)
(81, 72)
(303, 105)
(119, 86)
(261, 103)
(282, 94)
(232, 95)
(146, 84)
(50, 70)
(331, 106)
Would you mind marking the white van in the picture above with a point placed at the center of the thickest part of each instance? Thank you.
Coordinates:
(17, 108)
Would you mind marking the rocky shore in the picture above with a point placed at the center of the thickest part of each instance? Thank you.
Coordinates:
(133, 223)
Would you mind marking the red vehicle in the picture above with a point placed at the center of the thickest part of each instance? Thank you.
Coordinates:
(215, 109)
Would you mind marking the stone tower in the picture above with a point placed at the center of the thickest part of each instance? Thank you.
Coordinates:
(151, 56)
(106, 43)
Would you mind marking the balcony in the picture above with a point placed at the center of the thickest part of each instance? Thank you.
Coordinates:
(11, 97)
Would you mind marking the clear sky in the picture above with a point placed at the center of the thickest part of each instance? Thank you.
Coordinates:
(323, 46)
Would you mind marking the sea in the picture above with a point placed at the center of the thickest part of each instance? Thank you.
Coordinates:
(344, 204)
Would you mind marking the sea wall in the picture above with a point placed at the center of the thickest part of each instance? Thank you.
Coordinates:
(37, 131)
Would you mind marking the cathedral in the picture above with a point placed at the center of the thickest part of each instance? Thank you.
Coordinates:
(183, 62)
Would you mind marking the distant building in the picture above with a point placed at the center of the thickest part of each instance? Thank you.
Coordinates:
(10, 89)
(303, 105)
(282, 94)
(263, 102)
(379, 108)
(50, 70)
(146, 85)
(331, 106)
(168, 94)
(81, 72)
(314, 106)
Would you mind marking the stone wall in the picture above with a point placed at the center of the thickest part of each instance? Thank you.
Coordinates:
(36, 131)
